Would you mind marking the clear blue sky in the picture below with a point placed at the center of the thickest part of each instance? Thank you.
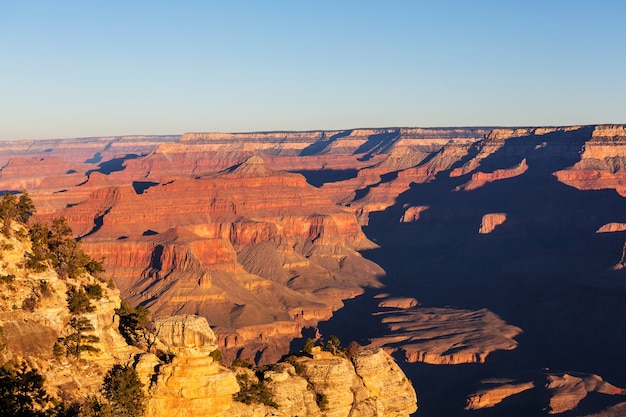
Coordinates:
(95, 68)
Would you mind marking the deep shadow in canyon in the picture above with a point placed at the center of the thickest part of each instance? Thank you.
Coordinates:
(544, 270)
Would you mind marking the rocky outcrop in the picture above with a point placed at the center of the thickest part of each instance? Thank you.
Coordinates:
(490, 221)
(479, 179)
(445, 335)
(34, 316)
(187, 377)
(186, 335)
(327, 385)
(371, 384)
(612, 227)
(567, 390)
(412, 214)
(602, 162)
(495, 392)
(398, 302)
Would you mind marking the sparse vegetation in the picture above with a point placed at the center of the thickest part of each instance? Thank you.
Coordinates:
(322, 401)
(293, 360)
(56, 246)
(57, 350)
(333, 345)
(124, 391)
(13, 209)
(7, 278)
(94, 292)
(78, 301)
(309, 344)
(216, 355)
(22, 392)
(241, 363)
(134, 322)
(79, 341)
(254, 390)
(30, 303)
(353, 349)
(95, 407)
(45, 289)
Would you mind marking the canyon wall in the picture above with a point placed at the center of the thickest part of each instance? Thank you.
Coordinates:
(502, 234)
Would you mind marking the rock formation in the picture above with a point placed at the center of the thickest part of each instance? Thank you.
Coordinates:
(495, 392)
(568, 390)
(184, 378)
(444, 335)
(269, 234)
(490, 221)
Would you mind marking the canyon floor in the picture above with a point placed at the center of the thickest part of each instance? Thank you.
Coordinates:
(489, 262)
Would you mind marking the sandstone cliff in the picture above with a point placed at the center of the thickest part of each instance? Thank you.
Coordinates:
(184, 379)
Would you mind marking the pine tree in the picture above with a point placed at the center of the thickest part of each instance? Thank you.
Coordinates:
(124, 391)
(79, 341)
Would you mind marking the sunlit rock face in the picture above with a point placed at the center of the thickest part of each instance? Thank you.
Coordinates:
(490, 221)
(444, 335)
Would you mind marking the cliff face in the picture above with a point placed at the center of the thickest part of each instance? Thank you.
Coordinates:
(260, 252)
(35, 314)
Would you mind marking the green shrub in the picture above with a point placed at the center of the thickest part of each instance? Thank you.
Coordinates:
(216, 355)
(322, 401)
(7, 278)
(57, 350)
(124, 391)
(133, 321)
(93, 407)
(241, 363)
(253, 392)
(78, 301)
(94, 292)
(309, 344)
(79, 341)
(56, 246)
(21, 392)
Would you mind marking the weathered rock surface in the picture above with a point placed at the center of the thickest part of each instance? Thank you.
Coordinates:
(34, 313)
(445, 335)
(602, 162)
(612, 227)
(490, 221)
(495, 392)
(567, 390)
(192, 384)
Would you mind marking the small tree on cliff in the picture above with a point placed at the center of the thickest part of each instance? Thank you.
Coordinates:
(13, 209)
(56, 245)
(124, 391)
(21, 392)
(135, 324)
(79, 341)
(8, 212)
(25, 208)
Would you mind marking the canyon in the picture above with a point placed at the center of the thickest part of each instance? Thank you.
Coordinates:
(487, 261)
(178, 372)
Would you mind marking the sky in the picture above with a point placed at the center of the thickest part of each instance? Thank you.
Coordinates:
(99, 68)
